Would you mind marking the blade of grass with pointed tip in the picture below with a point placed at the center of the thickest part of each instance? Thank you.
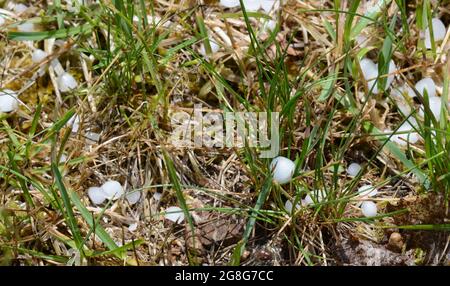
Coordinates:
(69, 214)
(240, 247)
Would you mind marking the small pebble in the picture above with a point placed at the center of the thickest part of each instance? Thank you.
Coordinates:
(369, 209)
(353, 169)
(113, 190)
(396, 241)
(282, 169)
(96, 195)
(174, 214)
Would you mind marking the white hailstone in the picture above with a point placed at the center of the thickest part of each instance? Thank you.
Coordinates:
(229, 3)
(133, 197)
(282, 169)
(397, 95)
(8, 101)
(439, 31)
(92, 136)
(307, 201)
(406, 133)
(435, 106)
(369, 209)
(174, 214)
(269, 25)
(407, 89)
(353, 169)
(391, 72)
(74, 122)
(2, 20)
(367, 190)
(370, 73)
(215, 47)
(428, 85)
(132, 227)
(96, 195)
(269, 5)
(315, 197)
(38, 55)
(113, 190)
(66, 82)
(288, 206)
(63, 158)
(361, 40)
(157, 196)
(20, 8)
(252, 5)
(26, 27)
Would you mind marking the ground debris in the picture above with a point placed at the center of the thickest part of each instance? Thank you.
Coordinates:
(367, 253)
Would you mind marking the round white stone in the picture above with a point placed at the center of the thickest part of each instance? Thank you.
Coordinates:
(113, 190)
(8, 101)
(369, 209)
(66, 82)
(96, 195)
(367, 190)
(282, 169)
(133, 197)
(229, 3)
(428, 85)
(38, 55)
(353, 169)
(174, 214)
